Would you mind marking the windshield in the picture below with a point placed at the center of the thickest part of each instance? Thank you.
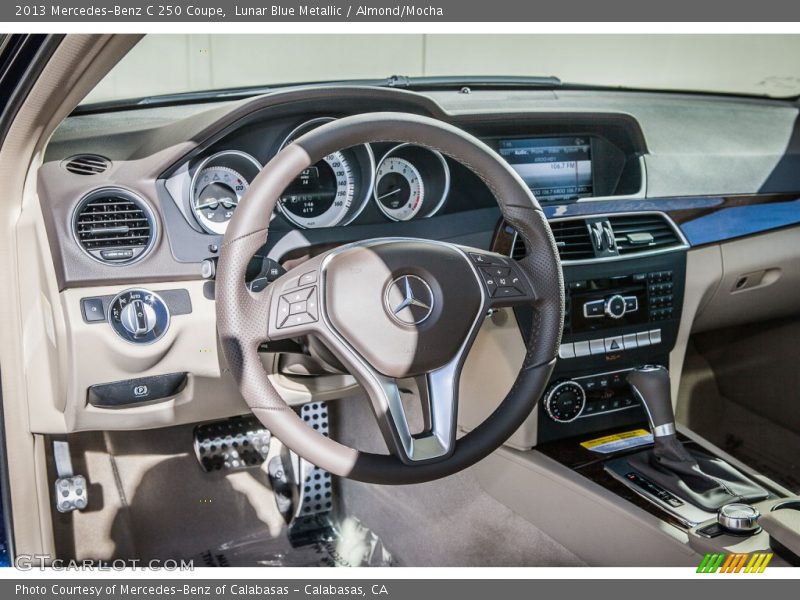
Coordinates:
(765, 65)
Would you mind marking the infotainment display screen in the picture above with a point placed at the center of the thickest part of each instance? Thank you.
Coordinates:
(555, 169)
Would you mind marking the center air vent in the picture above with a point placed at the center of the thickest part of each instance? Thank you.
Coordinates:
(643, 233)
(572, 240)
(114, 226)
(610, 237)
(87, 164)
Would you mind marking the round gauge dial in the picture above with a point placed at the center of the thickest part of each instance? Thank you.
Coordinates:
(321, 196)
(217, 192)
(218, 184)
(399, 189)
(564, 402)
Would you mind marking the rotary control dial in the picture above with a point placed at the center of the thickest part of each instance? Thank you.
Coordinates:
(615, 307)
(564, 401)
(138, 316)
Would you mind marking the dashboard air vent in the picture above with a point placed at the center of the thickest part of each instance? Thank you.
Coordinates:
(572, 239)
(114, 226)
(87, 164)
(640, 233)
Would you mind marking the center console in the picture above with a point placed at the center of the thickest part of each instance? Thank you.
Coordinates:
(619, 314)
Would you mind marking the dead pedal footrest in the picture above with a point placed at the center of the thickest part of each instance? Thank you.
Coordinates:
(230, 445)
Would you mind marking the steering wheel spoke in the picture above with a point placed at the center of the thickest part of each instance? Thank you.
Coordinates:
(438, 393)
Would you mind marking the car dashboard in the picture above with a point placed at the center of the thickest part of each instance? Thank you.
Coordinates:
(135, 205)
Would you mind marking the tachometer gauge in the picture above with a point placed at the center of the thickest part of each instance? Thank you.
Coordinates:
(218, 185)
(411, 182)
(399, 189)
(332, 191)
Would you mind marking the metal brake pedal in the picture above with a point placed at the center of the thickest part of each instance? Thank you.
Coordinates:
(231, 445)
(71, 492)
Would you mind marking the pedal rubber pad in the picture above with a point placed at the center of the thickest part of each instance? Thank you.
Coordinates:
(230, 445)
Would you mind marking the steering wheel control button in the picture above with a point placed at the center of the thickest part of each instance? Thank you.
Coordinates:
(507, 292)
(308, 278)
(298, 307)
(565, 401)
(93, 310)
(138, 316)
(502, 282)
(483, 259)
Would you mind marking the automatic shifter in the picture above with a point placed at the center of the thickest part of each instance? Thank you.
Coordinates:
(695, 477)
(650, 384)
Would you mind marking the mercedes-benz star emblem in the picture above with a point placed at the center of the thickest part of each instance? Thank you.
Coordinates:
(409, 300)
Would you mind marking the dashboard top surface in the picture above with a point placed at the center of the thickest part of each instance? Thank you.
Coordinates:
(689, 155)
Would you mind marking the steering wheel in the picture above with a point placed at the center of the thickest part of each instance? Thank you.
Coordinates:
(392, 308)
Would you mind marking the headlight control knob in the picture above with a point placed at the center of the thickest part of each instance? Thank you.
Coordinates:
(138, 316)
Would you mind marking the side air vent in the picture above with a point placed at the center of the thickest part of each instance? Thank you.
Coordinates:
(642, 233)
(572, 239)
(114, 226)
(87, 164)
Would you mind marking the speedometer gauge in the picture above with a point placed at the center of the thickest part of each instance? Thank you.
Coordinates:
(334, 190)
(321, 196)
(399, 188)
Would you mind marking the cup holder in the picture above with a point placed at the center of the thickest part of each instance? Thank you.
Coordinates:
(787, 505)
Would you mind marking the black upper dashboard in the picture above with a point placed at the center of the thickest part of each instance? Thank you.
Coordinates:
(182, 170)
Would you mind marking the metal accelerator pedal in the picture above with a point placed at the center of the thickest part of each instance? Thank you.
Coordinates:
(312, 522)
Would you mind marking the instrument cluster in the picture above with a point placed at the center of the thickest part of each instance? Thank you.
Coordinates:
(403, 181)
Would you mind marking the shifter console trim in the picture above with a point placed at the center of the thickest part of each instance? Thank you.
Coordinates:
(684, 512)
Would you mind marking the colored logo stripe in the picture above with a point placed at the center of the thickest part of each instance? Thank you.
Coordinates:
(734, 563)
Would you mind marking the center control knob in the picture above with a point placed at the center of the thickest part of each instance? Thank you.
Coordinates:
(739, 518)
(138, 317)
(564, 402)
(615, 307)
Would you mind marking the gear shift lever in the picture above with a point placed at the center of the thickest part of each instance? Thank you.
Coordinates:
(650, 384)
(702, 480)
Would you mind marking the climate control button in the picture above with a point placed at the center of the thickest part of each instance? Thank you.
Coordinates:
(565, 401)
